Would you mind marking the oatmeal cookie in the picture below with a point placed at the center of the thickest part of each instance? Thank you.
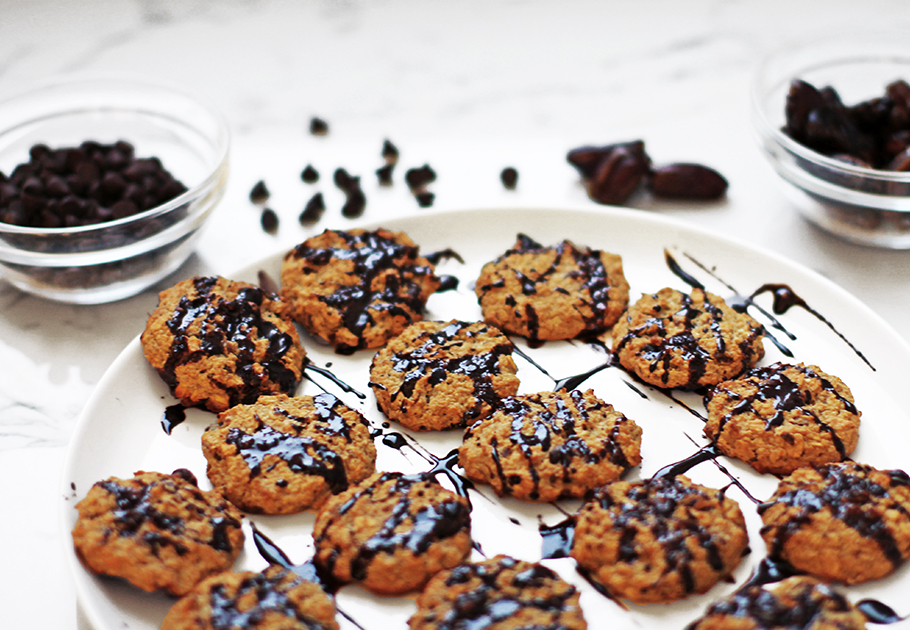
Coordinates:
(549, 293)
(796, 603)
(782, 417)
(550, 446)
(659, 540)
(357, 289)
(842, 522)
(673, 340)
(392, 533)
(440, 375)
(157, 531)
(282, 455)
(218, 343)
(498, 594)
(275, 599)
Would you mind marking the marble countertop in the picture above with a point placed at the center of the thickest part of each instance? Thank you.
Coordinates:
(468, 87)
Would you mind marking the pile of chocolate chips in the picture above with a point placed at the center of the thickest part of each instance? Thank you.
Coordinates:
(615, 171)
(85, 185)
(872, 134)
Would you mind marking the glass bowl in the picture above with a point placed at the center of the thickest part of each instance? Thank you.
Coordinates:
(862, 205)
(108, 261)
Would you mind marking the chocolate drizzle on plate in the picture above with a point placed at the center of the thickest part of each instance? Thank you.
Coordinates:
(174, 415)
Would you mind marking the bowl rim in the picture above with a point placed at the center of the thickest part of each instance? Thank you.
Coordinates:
(760, 80)
(123, 80)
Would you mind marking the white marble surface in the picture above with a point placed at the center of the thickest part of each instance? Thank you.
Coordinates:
(468, 86)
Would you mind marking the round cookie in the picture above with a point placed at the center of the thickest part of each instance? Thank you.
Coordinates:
(796, 603)
(842, 522)
(550, 446)
(275, 599)
(357, 289)
(549, 293)
(782, 417)
(282, 455)
(440, 375)
(498, 594)
(218, 343)
(673, 340)
(157, 531)
(659, 540)
(392, 533)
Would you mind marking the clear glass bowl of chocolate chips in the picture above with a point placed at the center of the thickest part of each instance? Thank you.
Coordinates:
(105, 184)
(832, 116)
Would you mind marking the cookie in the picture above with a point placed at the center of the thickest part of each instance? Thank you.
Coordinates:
(283, 455)
(392, 533)
(157, 531)
(842, 522)
(440, 375)
(673, 340)
(218, 343)
(550, 446)
(782, 417)
(549, 293)
(659, 540)
(275, 599)
(498, 594)
(797, 603)
(357, 289)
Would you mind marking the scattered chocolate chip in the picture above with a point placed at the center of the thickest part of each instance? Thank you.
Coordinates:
(692, 182)
(587, 158)
(269, 220)
(617, 176)
(344, 180)
(309, 175)
(509, 177)
(318, 127)
(354, 205)
(417, 178)
(259, 193)
(384, 174)
(313, 210)
(425, 199)
(389, 152)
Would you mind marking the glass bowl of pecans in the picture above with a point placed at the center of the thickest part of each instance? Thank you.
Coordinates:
(832, 115)
(105, 184)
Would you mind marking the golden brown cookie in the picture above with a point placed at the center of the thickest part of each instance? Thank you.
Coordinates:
(659, 540)
(782, 417)
(797, 603)
(282, 455)
(218, 343)
(275, 599)
(157, 531)
(498, 594)
(440, 375)
(842, 522)
(357, 289)
(549, 293)
(673, 340)
(550, 446)
(392, 533)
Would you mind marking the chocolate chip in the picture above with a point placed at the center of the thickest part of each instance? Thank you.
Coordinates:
(384, 174)
(417, 178)
(389, 152)
(509, 177)
(309, 175)
(344, 180)
(318, 127)
(259, 192)
(313, 210)
(355, 204)
(425, 199)
(692, 182)
(269, 220)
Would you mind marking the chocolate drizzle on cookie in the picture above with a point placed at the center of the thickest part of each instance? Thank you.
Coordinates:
(230, 327)
(773, 386)
(134, 509)
(385, 273)
(848, 492)
(405, 527)
(505, 587)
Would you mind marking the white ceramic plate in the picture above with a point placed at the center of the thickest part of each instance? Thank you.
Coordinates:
(120, 432)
